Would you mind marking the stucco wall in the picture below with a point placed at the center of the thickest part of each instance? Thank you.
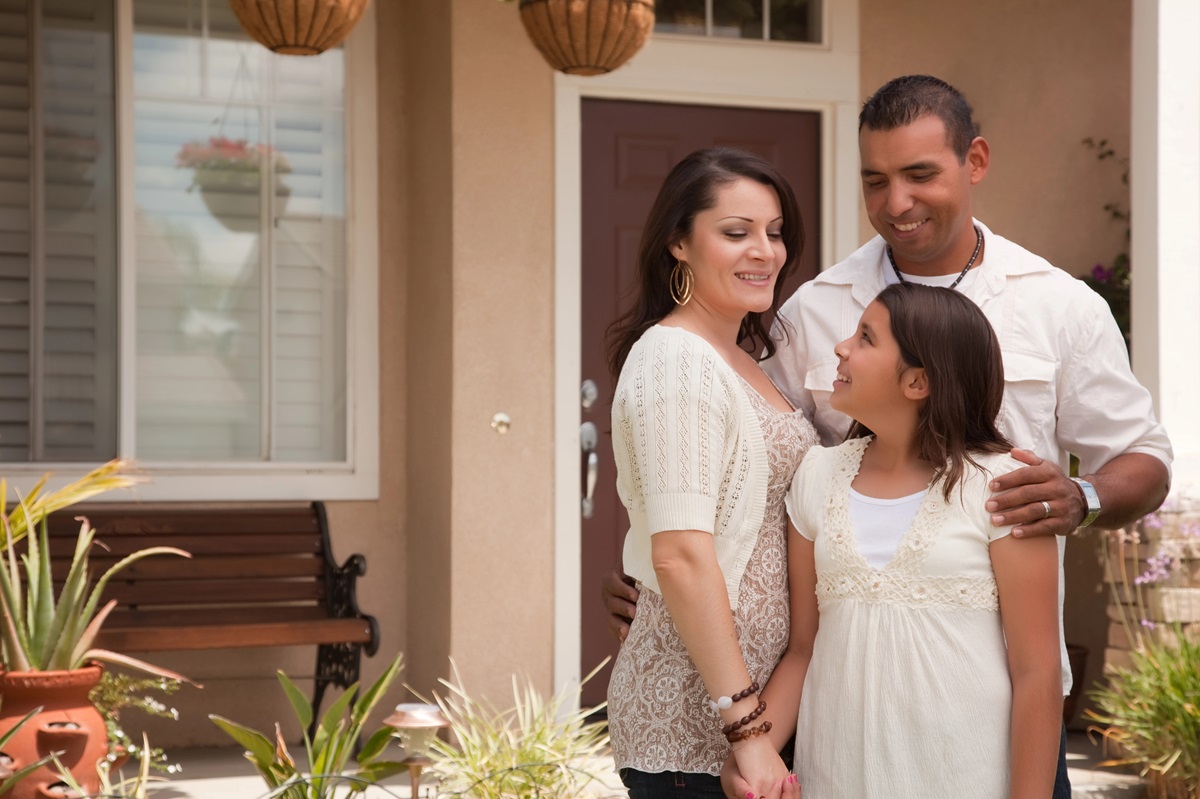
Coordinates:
(1042, 75)
(503, 486)
(479, 264)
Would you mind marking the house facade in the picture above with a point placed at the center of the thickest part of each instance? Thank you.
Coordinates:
(396, 323)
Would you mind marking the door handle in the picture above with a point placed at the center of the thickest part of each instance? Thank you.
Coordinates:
(588, 439)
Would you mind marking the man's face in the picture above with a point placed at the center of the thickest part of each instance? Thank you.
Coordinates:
(918, 194)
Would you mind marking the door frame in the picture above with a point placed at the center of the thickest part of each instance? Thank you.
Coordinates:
(670, 69)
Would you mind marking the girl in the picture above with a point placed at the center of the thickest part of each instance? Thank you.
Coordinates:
(932, 668)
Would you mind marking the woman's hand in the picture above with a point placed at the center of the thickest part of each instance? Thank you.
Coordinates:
(757, 771)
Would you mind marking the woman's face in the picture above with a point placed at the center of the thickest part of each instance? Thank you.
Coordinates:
(870, 374)
(735, 250)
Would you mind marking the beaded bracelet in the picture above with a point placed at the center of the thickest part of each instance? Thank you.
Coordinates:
(737, 725)
(726, 702)
(749, 732)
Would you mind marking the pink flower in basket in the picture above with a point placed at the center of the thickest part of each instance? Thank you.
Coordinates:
(219, 153)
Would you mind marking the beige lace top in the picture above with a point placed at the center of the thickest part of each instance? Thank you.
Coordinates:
(658, 712)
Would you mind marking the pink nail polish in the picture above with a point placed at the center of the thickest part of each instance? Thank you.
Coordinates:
(749, 794)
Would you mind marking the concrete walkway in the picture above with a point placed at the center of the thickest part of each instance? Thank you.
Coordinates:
(223, 774)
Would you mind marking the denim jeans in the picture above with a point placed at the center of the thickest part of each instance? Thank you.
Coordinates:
(670, 784)
(1062, 784)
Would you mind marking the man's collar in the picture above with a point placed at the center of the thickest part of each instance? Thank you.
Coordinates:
(862, 270)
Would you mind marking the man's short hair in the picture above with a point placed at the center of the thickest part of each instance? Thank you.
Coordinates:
(902, 101)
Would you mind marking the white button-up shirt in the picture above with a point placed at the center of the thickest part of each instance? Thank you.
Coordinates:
(1068, 387)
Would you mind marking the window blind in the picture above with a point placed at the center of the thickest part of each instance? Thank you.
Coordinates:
(57, 232)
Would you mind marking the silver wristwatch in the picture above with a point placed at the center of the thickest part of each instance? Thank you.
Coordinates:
(1091, 498)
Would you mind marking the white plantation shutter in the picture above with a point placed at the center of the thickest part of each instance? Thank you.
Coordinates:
(241, 283)
(58, 268)
(15, 238)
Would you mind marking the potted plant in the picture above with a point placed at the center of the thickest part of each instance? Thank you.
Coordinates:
(536, 748)
(46, 642)
(1149, 709)
(328, 751)
(231, 170)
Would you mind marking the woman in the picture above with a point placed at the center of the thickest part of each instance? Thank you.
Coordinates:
(705, 447)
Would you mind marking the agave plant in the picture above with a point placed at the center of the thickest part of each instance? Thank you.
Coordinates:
(41, 632)
(35, 506)
(329, 749)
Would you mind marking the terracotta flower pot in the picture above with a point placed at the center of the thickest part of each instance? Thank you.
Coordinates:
(587, 37)
(69, 723)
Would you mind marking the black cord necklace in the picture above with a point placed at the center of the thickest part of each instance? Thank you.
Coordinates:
(961, 275)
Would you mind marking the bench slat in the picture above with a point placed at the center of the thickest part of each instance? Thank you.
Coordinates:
(206, 567)
(125, 618)
(158, 639)
(216, 592)
(120, 546)
(116, 522)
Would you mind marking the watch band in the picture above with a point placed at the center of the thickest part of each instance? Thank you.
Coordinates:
(1090, 498)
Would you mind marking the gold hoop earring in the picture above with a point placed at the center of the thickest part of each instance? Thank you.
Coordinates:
(681, 283)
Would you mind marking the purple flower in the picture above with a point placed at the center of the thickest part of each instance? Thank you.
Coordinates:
(1101, 273)
(1149, 625)
(1152, 521)
(1158, 569)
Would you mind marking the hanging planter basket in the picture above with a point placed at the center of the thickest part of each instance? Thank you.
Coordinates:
(587, 37)
(233, 198)
(298, 27)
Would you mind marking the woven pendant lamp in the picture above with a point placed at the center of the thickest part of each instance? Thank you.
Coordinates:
(587, 37)
(298, 27)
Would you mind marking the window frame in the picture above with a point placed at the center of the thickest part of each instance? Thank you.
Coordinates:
(765, 41)
(357, 477)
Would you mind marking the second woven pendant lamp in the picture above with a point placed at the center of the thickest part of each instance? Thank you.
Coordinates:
(587, 37)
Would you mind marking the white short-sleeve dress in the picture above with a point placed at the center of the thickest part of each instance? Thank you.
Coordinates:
(908, 692)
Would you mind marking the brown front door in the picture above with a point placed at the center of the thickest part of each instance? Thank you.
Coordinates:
(628, 148)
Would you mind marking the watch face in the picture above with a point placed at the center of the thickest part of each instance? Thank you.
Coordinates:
(1092, 499)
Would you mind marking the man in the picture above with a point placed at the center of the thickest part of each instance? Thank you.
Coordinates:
(1068, 385)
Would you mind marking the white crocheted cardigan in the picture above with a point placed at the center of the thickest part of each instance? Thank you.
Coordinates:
(689, 451)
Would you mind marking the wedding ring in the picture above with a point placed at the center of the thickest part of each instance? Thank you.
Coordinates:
(1045, 509)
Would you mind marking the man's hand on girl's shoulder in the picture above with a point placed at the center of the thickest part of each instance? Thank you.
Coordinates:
(1038, 498)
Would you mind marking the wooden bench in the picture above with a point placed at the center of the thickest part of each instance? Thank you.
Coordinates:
(260, 575)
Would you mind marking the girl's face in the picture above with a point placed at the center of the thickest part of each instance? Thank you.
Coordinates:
(871, 375)
(735, 250)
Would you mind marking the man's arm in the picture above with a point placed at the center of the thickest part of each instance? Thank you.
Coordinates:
(620, 596)
(1130, 486)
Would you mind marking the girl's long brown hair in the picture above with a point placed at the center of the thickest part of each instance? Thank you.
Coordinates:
(691, 187)
(948, 336)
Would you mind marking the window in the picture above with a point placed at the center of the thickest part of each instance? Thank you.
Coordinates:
(770, 20)
(191, 308)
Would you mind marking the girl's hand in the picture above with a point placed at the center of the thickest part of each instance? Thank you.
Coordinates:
(761, 773)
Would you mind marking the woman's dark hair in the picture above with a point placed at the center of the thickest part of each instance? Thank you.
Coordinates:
(948, 336)
(691, 187)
